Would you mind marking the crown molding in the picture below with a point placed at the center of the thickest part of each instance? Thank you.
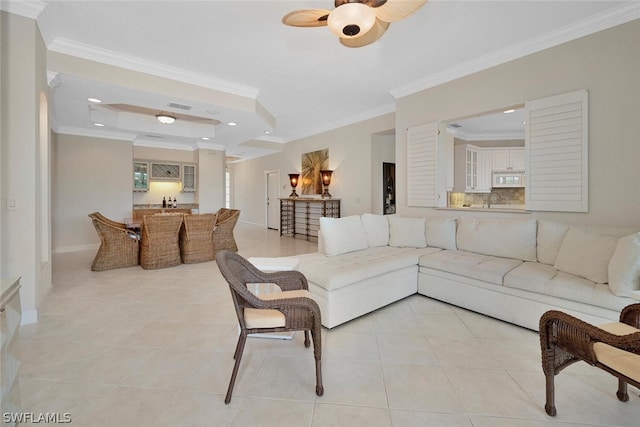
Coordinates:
(27, 8)
(139, 142)
(611, 18)
(94, 133)
(93, 53)
(366, 115)
(210, 146)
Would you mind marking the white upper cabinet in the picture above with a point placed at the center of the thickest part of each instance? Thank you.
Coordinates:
(188, 178)
(478, 170)
(508, 159)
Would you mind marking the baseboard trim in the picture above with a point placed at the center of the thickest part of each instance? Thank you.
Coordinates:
(29, 317)
(76, 248)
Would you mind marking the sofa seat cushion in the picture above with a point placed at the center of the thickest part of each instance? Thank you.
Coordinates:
(625, 362)
(547, 280)
(336, 272)
(482, 267)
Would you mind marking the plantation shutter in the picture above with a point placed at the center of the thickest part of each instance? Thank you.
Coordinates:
(422, 165)
(556, 147)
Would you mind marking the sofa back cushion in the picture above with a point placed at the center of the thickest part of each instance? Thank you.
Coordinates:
(504, 238)
(624, 267)
(441, 233)
(550, 236)
(585, 254)
(342, 235)
(407, 232)
(376, 227)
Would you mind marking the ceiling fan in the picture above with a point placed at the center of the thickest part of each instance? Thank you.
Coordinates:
(356, 22)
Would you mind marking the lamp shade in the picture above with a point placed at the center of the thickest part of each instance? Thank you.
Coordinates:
(326, 177)
(293, 179)
(351, 20)
(165, 118)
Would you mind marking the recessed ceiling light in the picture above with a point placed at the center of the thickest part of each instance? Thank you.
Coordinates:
(509, 111)
(98, 124)
(267, 132)
(96, 100)
(205, 138)
(232, 124)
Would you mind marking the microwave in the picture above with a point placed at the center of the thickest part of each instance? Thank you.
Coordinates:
(508, 179)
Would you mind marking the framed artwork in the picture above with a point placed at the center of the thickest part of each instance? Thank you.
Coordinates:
(312, 163)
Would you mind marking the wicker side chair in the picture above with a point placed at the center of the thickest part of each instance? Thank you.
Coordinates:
(223, 233)
(159, 246)
(293, 309)
(196, 238)
(118, 246)
(613, 347)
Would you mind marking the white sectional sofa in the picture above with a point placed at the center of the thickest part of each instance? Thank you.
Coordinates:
(509, 269)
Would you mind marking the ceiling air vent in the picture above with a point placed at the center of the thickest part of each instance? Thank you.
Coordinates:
(455, 125)
(179, 106)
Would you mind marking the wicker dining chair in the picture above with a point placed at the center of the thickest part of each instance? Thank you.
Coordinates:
(118, 246)
(293, 309)
(613, 347)
(196, 238)
(159, 246)
(223, 232)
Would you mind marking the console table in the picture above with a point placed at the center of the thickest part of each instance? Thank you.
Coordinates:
(301, 217)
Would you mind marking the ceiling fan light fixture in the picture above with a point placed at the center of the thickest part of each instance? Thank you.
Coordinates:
(351, 20)
(165, 119)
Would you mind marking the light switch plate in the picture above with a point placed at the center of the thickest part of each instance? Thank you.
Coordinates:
(12, 203)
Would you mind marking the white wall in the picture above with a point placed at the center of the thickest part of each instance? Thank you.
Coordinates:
(90, 175)
(350, 157)
(25, 251)
(211, 183)
(607, 64)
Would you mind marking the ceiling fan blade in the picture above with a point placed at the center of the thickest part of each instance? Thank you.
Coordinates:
(395, 10)
(369, 37)
(306, 18)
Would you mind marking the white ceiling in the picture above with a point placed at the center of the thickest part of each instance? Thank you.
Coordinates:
(303, 77)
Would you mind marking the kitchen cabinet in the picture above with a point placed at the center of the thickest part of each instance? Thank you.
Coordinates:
(478, 170)
(140, 176)
(188, 178)
(508, 159)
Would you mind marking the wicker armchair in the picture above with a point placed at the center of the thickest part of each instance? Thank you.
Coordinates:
(223, 233)
(614, 347)
(196, 238)
(118, 246)
(159, 246)
(289, 310)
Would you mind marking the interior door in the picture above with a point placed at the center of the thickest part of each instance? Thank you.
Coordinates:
(273, 201)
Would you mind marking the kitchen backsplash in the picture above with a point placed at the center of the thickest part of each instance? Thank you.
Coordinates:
(498, 196)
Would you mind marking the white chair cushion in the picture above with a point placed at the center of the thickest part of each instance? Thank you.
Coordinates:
(267, 318)
(342, 235)
(624, 267)
(503, 238)
(586, 255)
(625, 362)
(441, 233)
(376, 227)
(407, 232)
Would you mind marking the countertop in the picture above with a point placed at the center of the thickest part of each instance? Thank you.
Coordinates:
(518, 209)
(159, 206)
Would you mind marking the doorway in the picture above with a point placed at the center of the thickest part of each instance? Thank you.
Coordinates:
(273, 200)
(388, 188)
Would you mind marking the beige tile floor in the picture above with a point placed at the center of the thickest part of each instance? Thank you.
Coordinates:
(154, 348)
